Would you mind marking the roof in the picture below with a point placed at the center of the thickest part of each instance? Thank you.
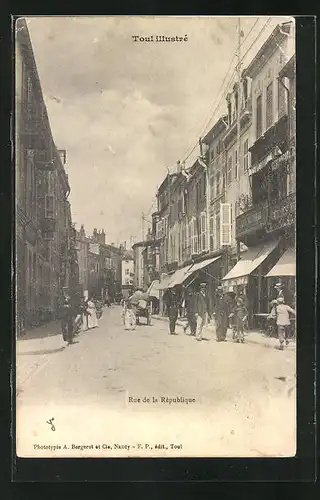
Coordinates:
(217, 128)
(270, 45)
(289, 68)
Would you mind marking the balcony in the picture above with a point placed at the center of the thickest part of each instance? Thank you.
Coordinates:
(282, 213)
(252, 221)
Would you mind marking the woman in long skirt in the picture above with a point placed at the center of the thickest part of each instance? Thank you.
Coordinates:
(92, 316)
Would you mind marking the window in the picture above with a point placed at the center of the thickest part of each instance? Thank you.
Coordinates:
(229, 171)
(194, 236)
(225, 224)
(245, 155)
(259, 117)
(30, 185)
(51, 182)
(236, 164)
(218, 183)
(203, 222)
(49, 206)
(211, 154)
(212, 186)
(229, 113)
(211, 233)
(269, 105)
(282, 99)
(224, 177)
(218, 231)
(236, 103)
(127, 271)
(245, 92)
(97, 267)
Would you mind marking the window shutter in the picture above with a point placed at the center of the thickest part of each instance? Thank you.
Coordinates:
(225, 224)
(211, 233)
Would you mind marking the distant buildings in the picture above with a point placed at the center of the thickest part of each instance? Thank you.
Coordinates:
(46, 260)
(127, 270)
(100, 265)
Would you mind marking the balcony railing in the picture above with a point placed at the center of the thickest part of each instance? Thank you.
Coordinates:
(252, 220)
(282, 213)
(267, 216)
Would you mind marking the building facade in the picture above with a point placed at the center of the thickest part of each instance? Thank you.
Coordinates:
(267, 226)
(127, 271)
(236, 204)
(100, 265)
(44, 243)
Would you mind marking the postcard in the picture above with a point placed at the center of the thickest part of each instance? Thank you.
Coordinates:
(155, 236)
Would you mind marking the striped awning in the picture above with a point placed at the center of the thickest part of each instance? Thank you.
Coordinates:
(250, 260)
(286, 265)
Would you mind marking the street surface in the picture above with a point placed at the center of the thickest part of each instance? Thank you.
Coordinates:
(96, 392)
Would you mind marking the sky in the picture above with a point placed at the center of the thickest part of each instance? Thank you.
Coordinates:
(125, 111)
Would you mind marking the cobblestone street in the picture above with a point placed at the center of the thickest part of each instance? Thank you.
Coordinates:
(244, 405)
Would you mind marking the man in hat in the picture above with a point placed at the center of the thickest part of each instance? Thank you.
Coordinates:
(281, 291)
(191, 309)
(221, 315)
(173, 304)
(203, 312)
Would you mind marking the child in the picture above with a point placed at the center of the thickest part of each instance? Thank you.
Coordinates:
(272, 317)
(129, 318)
(283, 321)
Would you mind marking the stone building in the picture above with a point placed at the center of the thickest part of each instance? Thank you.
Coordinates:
(44, 251)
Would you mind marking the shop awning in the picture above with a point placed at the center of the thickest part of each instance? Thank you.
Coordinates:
(200, 265)
(250, 260)
(286, 265)
(164, 282)
(179, 276)
(153, 290)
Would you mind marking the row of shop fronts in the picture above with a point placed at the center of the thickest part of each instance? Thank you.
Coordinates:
(256, 273)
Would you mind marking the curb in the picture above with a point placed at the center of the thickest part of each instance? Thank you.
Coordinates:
(258, 341)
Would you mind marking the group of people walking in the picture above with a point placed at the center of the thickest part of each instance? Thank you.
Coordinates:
(230, 312)
(76, 317)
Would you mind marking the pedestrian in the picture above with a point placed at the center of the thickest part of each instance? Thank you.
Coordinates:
(231, 302)
(129, 317)
(203, 312)
(67, 319)
(191, 309)
(240, 316)
(173, 309)
(283, 321)
(271, 319)
(282, 291)
(221, 315)
(92, 315)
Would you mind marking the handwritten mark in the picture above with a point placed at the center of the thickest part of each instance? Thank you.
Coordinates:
(50, 422)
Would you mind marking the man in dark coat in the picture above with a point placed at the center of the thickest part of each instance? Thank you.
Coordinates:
(67, 315)
(191, 309)
(173, 304)
(221, 315)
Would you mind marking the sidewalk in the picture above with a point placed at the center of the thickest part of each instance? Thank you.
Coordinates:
(251, 337)
(33, 350)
